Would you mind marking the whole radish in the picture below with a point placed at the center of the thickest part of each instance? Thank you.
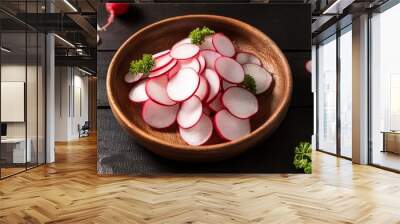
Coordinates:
(115, 9)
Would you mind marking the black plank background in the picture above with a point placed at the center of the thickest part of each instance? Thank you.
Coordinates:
(288, 25)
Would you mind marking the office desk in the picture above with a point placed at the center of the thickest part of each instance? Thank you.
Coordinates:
(16, 147)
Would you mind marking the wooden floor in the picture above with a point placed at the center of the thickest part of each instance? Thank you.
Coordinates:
(69, 191)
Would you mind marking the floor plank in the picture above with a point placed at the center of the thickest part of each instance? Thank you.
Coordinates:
(70, 191)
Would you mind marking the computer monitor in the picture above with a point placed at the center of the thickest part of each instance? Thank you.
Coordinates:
(3, 129)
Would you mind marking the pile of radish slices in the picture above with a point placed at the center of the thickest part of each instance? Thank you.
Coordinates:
(200, 88)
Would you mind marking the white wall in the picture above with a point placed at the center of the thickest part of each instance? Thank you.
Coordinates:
(71, 102)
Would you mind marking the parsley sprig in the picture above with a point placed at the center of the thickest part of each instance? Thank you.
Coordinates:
(143, 65)
(197, 35)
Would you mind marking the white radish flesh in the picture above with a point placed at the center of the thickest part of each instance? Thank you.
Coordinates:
(226, 85)
(261, 76)
(184, 51)
(161, 53)
(207, 43)
(247, 58)
(223, 45)
(202, 63)
(214, 84)
(156, 89)
(190, 63)
(216, 105)
(183, 85)
(210, 57)
(240, 102)
(202, 91)
(161, 61)
(174, 70)
(164, 69)
(190, 112)
(159, 116)
(130, 78)
(229, 70)
(138, 92)
(230, 127)
(199, 133)
(183, 41)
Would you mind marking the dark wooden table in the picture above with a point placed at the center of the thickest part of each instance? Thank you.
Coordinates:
(288, 25)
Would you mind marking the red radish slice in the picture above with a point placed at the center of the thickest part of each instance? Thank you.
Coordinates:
(216, 105)
(162, 61)
(164, 69)
(203, 89)
(223, 45)
(184, 51)
(183, 85)
(190, 112)
(210, 56)
(199, 133)
(240, 102)
(214, 84)
(174, 70)
(230, 127)
(183, 41)
(229, 70)
(207, 111)
(157, 115)
(261, 76)
(202, 62)
(156, 89)
(226, 85)
(138, 92)
(191, 63)
(130, 78)
(161, 53)
(207, 43)
(247, 58)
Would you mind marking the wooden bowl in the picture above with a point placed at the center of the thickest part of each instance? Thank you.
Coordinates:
(162, 35)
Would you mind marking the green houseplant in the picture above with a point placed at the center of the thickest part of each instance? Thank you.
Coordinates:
(302, 157)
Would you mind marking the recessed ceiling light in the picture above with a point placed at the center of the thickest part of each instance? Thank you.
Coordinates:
(5, 50)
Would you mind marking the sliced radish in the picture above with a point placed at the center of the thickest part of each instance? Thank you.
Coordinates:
(210, 57)
(223, 45)
(199, 133)
(159, 116)
(130, 78)
(230, 127)
(229, 70)
(183, 41)
(207, 111)
(161, 61)
(202, 62)
(138, 92)
(216, 105)
(183, 85)
(156, 89)
(226, 85)
(214, 84)
(164, 69)
(207, 43)
(190, 63)
(190, 112)
(174, 70)
(261, 76)
(240, 102)
(184, 51)
(203, 89)
(247, 58)
(161, 53)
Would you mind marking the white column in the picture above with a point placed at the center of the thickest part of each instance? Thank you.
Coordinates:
(360, 90)
(50, 98)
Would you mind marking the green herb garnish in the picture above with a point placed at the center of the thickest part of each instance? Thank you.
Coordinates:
(302, 157)
(249, 83)
(143, 65)
(197, 35)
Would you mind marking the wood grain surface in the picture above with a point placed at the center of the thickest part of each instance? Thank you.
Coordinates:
(70, 191)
